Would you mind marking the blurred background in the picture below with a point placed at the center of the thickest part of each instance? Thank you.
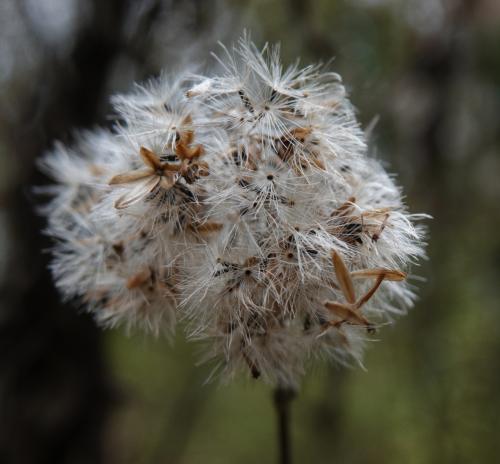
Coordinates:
(427, 71)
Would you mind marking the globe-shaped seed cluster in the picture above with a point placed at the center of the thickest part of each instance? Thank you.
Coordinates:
(242, 204)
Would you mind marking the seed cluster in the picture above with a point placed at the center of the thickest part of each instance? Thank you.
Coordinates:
(242, 204)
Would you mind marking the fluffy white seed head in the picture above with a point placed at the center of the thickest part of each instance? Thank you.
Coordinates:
(243, 204)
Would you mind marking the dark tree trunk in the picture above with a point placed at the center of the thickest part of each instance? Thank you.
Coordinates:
(54, 391)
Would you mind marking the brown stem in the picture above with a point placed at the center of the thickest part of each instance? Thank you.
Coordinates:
(283, 397)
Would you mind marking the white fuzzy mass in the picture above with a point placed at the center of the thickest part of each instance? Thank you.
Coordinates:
(242, 204)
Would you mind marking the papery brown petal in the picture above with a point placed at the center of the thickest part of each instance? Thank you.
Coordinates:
(389, 274)
(343, 277)
(347, 314)
(130, 176)
(196, 152)
(168, 167)
(182, 151)
(187, 135)
(370, 292)
(150, 158)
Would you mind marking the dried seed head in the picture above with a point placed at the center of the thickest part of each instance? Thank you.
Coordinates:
(243, 203)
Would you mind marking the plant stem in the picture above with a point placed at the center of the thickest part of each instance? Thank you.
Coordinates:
(283, 397)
